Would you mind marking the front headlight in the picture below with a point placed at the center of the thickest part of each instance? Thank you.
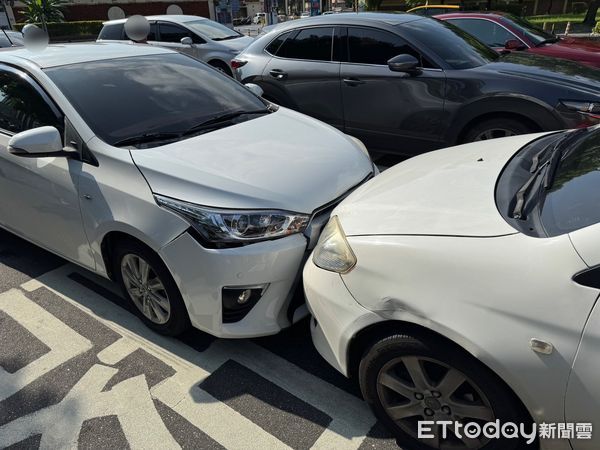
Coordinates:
(333, 252)
(591, 108)
(227, 228)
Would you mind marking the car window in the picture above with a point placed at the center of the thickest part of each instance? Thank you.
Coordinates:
(112, 32)
(273, 47)
(532, 32)
(21, 105)
(456, 47)
(435, 11)
(488, 32)
(311, 43)
(153, 35)
(573, 201)
(213, 30)
(420, 11)
(4, 41)
(371, 46)
(166, 93)
(173, 33)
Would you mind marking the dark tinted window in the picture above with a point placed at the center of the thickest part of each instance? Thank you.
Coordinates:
(573, 201)
(153, 35)
(167, 93)
(4, 41)
(273, 47)
(21, 106)
(457, 48)
(371, 46)
(173, 33)
(310, 43)
(490, 33)
(112, 32)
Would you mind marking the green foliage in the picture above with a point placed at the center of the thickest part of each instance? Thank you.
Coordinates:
(558, 18)
(70, 30)
(597, 28)
(372, 5)
(37, 11)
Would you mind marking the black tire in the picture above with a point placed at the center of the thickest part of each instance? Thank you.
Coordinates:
(178, 320)
(383, 352)
(494, 127)
(222, 67)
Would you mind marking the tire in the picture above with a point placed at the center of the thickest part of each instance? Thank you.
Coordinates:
(496, 128)
(174, 319)
(385, 361)
(221, 67)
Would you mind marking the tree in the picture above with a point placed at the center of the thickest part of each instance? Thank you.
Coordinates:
(372, 5)
(43, 11)
(590, 17)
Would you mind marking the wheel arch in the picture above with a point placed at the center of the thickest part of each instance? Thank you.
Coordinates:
(374, 332)
(537, 113)
(216, 62)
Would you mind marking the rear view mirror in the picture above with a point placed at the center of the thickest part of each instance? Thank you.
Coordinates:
(514, 44)
(404, 63)
(186, 41)
(38, 143)
(255, 89)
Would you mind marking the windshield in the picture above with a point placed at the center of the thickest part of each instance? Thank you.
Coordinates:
(573, 200)
(166, 93)
(457, 48)
(212, 30)
(533, 33)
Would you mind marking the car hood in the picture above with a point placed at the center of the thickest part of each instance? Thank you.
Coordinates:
(448, 192)
(237, 44)
(284, 160)
(550, 70)
(582, 50)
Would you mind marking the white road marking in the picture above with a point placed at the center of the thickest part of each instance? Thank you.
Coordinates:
(64, 343)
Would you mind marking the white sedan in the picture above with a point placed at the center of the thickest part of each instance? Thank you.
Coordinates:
(151, 168)
(460, 288)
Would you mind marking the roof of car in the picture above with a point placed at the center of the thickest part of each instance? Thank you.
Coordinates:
(389, 18)
(65, 54)
(177, 18)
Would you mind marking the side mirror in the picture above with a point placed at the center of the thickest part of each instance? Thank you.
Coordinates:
(186, 41)
(255, 89)
(404, 63)
(38, 143)
(513, 44)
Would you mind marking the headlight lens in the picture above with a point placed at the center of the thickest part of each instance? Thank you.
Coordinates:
(592, 108)
(224, 228)
(333, 252)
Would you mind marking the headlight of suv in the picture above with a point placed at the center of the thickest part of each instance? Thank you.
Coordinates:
(230, 228)
(333, 252)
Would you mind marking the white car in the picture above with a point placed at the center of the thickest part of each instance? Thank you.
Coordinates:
(461, 286)
(202, 38)
(149, 167)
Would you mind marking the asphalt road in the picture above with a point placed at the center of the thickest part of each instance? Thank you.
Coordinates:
(79, 370)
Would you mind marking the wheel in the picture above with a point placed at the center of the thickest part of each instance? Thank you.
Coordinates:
(147, 283)
(221, 67)
(496, 128)
(406, 380)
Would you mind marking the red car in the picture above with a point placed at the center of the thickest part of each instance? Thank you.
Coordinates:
(507, 32)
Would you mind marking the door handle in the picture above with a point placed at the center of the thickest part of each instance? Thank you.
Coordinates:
(351, 81)
(278, 73)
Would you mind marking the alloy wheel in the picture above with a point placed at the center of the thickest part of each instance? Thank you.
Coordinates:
(145, 289)
(494, 133)
(415, 388)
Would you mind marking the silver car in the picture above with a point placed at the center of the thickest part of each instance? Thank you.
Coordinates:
(199, 37)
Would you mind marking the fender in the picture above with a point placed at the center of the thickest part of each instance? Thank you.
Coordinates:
(540, 113)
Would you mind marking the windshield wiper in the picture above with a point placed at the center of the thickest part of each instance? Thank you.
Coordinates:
(226, 38)
(221, 120)
(145, 138)
(558, 154)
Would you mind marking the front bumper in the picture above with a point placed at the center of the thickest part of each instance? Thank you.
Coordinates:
(201, 274)
(337, 316)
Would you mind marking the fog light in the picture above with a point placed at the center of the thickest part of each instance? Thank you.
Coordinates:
(244, 296)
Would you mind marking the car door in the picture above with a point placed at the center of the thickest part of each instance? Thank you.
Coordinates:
(170, 36)
(390, 111)
(39, 197)
(304, 71)
(490, 33)
(582, 403)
